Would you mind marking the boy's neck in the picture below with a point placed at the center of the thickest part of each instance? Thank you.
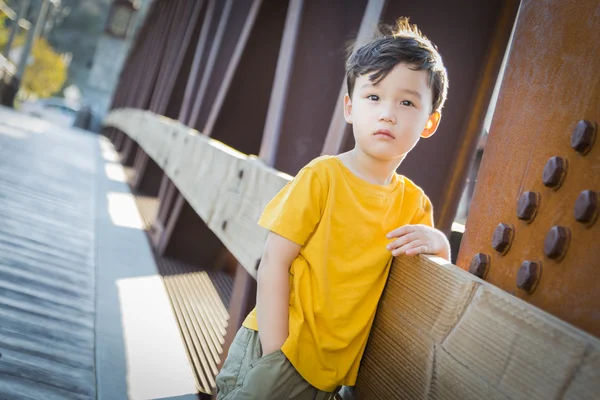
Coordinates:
(379, 172)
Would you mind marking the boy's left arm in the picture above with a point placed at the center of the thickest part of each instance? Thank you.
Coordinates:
(418, 239)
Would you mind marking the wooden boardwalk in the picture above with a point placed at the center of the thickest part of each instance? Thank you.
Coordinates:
(47, 277)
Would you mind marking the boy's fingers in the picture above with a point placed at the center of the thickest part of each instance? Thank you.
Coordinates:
(403, 230)
(417, 250)
(406, 247)
(402, 241)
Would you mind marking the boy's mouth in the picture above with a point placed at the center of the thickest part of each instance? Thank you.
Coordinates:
(385, 133)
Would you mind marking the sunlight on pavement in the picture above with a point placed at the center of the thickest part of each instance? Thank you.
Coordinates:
(156, 359)
(115, 172)
(13, 132)
(123, 210)
(108, 151)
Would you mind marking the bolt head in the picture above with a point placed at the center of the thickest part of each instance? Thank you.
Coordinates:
(586, 206)
(554, 172)
(556, 243)
(527, 206)
(583, 137)
(528, 275)
(480, 265)
(503, 236)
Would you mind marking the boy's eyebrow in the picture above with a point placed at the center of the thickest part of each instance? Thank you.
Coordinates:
(413, 92)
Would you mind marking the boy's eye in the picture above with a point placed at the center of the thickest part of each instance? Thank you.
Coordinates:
(373, 97)
(407, 103)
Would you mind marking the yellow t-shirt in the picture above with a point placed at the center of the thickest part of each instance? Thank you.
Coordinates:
(337, 279)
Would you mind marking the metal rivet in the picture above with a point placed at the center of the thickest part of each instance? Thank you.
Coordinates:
(554, 172)
(528, 275)
(557, 242)
(241, 174)
(527, 206)
(586, 206)
(503, 237)
(583, 137)
(224, 225)
(480, 265)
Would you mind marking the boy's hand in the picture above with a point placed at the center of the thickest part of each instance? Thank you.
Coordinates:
(418, 239)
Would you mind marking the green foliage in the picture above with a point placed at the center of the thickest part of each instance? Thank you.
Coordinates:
(47, 73)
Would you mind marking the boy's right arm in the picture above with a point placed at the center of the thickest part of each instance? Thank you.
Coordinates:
(272, 298)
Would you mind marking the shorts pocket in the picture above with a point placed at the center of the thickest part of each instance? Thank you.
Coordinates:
(235, 366)
(269, 377)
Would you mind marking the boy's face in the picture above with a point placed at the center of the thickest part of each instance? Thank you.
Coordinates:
(389, 118)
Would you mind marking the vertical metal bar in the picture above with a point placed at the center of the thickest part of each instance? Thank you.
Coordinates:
(195, 74)
(33, 33)
(231, 68)
(270, 141)
(211, 63)
(338, 128)
(13, 33)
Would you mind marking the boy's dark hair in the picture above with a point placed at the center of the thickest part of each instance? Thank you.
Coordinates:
(390, 47)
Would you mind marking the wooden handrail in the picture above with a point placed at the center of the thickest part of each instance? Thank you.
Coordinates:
(439, 331)
(220, 183)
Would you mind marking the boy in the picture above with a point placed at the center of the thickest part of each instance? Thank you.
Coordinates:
(334, 230)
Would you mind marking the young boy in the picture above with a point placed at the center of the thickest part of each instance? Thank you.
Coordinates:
(334, 230)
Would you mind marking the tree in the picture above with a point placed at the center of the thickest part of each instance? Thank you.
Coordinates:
(48, 72)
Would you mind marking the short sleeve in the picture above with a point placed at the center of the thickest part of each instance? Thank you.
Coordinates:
(296, 210)
(424, 216)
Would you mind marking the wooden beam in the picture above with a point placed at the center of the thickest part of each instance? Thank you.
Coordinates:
(442, 333)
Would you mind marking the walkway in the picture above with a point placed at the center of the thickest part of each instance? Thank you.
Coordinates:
(83, 313)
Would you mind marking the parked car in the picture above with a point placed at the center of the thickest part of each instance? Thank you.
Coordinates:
(55, 110)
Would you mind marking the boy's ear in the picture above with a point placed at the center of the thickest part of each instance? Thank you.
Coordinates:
(432, 124)
(348, 108)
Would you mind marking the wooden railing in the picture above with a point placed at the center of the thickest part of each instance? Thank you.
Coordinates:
(439, 333)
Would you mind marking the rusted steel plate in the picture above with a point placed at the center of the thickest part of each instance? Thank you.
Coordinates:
(550, 85)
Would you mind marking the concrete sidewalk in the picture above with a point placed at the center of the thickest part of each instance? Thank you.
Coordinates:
(83, 313)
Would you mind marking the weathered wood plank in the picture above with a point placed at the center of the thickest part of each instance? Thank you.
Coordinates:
(218, 182)
(439, 333)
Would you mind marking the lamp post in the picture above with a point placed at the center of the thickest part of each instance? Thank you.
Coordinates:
(32, 34)
(15, 27)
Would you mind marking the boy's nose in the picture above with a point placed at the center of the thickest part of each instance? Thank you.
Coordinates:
(387, 116)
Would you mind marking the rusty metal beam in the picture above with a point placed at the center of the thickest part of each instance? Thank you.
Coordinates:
(338, 127)
(209, 26)
(256, 57)
(527, 132)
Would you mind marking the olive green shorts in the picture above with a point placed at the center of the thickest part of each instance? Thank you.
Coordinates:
(246, 374)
